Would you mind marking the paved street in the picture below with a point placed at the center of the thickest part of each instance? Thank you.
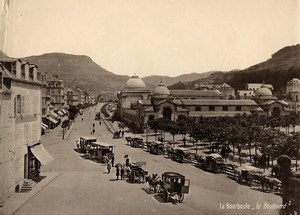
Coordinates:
(84, 187)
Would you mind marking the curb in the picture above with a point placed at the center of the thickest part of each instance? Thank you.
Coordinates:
(17, 200)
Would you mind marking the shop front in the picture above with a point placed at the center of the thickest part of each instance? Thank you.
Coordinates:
(36, 157)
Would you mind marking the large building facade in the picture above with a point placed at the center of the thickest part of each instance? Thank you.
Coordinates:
(293, 94)
(137, 105)
(20, 125)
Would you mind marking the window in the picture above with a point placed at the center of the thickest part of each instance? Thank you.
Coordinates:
(23, 71)
(13, 68)
(238, 108)
(225, 108)
(198, 108)
(211, 108)
(20, 104)
(31, 73)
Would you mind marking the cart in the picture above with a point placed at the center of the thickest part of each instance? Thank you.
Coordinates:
(180, 155)
(156, 147)
(173, 185)
(137, 172)
(212, 162)
(248, 175)
(84, 143)
(101, 151)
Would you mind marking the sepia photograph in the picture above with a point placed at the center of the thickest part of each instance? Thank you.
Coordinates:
(131, 107)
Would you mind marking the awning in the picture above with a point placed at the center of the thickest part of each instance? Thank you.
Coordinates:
(41, 154)
(44, 125)
(52, 120)
(53, 115)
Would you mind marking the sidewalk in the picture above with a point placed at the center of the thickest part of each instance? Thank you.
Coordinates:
(14, 202)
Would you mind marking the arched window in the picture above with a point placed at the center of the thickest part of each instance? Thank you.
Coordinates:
(276, 112)
(167, 113)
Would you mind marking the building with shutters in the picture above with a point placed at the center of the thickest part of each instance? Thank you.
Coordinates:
(21, 152)
(293, 94)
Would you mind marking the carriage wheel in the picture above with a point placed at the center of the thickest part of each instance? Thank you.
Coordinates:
(249, 182)
(216, 169)
(181, 197)
(141, 179)
(166, 196)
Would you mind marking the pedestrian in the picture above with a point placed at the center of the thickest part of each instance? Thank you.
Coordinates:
(112, 159)
(122, 172)
(122, 133)
(93, 131)
(105, 159)
(100, 122)
(81, 119)
(117, 172)
(93, 125)
(108, 166)
(127, 162)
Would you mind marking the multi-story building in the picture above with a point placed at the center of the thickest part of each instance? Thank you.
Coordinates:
(21, 152)
(55, 88)
(71, 96)
(81, 95)
(227, 91)
(293, 94)
(46, 99)
(249, 92)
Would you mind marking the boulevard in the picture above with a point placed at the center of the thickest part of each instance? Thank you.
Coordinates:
(84, 186)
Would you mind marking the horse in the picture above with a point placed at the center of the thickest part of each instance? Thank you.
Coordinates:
(154, 182)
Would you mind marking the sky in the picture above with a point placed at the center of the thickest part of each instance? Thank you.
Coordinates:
(152, 37)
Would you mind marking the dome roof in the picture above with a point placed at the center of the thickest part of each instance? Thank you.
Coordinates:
(263, 92)
(161, 90)
(135, 82)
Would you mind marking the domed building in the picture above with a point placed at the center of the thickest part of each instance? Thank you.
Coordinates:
(135, 89)
(263, 92)
(268, 104)
(135, 83)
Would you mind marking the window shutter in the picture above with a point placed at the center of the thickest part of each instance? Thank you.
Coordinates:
(22, 104)
(15, 106)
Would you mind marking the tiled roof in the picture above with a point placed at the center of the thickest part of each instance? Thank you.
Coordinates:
(272, 101)
(245, 102)
(195, 93)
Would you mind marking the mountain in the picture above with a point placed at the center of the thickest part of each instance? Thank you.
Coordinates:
(280, 68)
(79, 70)
(82, 71)
(155, 79)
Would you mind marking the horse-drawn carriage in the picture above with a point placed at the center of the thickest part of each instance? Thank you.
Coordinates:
(117, 134)
(170, 185)
(100, 151)
(136, 172)
(212, 162)
(137, 142)
(84, 143)
(156, 147)
(180, 155)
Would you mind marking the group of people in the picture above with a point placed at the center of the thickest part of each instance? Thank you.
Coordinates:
(121, 169)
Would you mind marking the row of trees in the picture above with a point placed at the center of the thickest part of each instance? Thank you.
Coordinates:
(264, 134)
